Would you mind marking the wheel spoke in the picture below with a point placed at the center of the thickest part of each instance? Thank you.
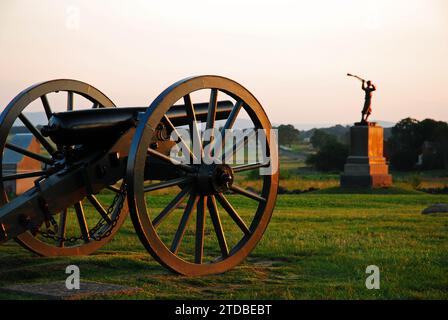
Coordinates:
(36, 133)
(211, 114)
(250, 166)
(69, 100)
(166, 184)
(62, 226)
(23, 175)
(161, 156)
(97, 205)
(232, 116)
(214, 215)
(171, 206)
(191, 204)
(247, 193)
(228, 154)
(82, 221)
(200, 230)
(46, 106)
(233, 214)
(114, 189)
(28, 153)
(228, 125)
(181, 141)
(194, 132)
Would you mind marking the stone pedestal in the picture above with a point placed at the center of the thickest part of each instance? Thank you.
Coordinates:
(366, 165)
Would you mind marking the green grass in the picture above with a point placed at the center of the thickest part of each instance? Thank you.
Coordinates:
(295, 174)
(353, 191)
(317, 246)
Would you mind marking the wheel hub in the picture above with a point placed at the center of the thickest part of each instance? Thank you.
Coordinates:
(214, 178)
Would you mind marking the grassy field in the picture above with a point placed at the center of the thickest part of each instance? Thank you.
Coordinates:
(295, 174)
(317, 246)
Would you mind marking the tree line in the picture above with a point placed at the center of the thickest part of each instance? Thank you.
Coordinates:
(410, 145)
(418, 145)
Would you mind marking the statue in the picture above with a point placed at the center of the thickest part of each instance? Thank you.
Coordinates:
(367, 110)
(368, 89)
(366, 165)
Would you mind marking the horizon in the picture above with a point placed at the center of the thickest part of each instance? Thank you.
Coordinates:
(293, 56)
(40, 118)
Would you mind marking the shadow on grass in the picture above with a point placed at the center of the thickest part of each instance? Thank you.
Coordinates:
(345, 190)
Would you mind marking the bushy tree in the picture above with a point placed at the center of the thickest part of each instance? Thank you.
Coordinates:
(321, 138)
(404, 144)
(331, 156)
(441, 140)
(407, 142)
(287, 134)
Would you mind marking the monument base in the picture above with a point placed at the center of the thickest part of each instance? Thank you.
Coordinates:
(366, 166)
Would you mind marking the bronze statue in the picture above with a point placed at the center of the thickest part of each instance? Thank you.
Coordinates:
(368, 89)
(367, 110)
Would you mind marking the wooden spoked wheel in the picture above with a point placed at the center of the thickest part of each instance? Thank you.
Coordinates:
(207, 234)
(72, 236)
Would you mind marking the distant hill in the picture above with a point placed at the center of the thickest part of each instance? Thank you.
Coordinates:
(340, 132)
(337, 130)
(309, 126)
(385, 124)
(37, 118)
(306, 129)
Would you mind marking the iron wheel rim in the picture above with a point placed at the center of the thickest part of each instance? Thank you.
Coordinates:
(7, 119)
(134, 177)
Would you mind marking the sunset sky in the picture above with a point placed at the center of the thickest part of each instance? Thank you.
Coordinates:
(292, 55)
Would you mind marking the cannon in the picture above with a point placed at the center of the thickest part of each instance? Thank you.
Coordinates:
(99, 162)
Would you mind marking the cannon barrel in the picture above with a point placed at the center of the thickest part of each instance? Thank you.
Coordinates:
(67, 186)
(102, 124)
(178, 114)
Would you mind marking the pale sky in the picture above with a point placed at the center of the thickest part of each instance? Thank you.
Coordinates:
(292, 55)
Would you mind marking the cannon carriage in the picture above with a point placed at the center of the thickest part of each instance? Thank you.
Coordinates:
(114, 160)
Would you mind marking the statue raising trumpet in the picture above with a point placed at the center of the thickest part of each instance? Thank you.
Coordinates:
(368, 87)
(366, 165)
